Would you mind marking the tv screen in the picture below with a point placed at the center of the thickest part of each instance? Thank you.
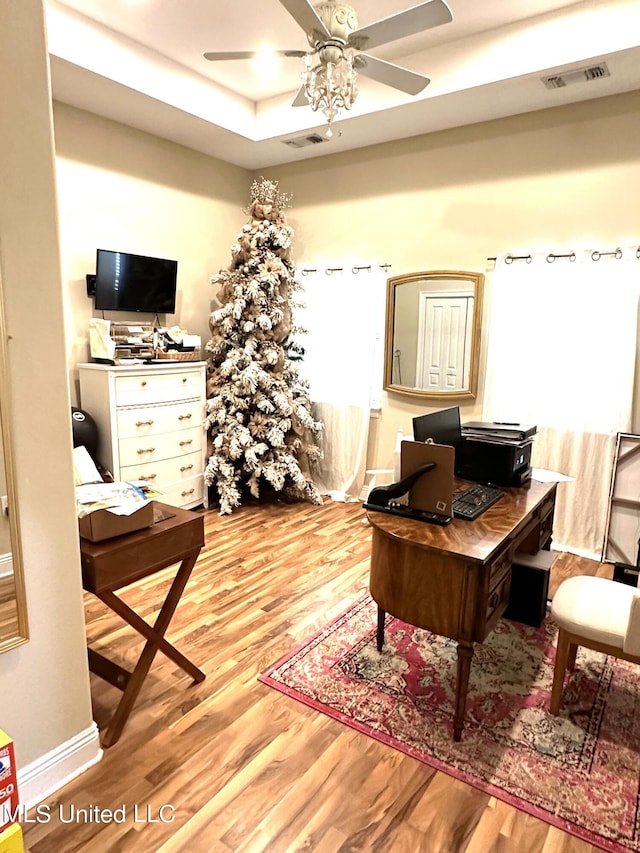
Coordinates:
(126, 282)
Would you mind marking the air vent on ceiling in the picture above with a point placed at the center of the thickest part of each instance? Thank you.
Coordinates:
(303, 141)
(576, 75)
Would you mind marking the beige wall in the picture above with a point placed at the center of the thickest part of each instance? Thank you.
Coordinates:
(44, 684)
(126, 190)
(560, 178)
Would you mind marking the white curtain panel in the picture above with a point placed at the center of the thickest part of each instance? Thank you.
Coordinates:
(561, 354)
(344, 315)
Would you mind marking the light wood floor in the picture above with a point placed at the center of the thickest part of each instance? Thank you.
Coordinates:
(243, 767)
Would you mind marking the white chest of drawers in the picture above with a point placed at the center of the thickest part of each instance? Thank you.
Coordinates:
(150, 420)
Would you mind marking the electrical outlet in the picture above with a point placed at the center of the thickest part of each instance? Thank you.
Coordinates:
(4, 504)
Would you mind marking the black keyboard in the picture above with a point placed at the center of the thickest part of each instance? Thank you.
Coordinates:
(472, 501)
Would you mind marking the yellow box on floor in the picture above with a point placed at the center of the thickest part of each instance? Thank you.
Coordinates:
(8, 784)
(11, 839)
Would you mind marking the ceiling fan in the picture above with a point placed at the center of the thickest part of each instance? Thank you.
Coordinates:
(336, 46)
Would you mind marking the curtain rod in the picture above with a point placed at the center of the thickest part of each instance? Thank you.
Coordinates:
(571, 256)
(355, 270)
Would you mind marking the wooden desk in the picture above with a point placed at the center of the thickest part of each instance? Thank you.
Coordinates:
(176, 537)
(455, 580)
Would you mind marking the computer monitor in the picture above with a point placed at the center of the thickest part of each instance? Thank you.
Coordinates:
(441, 427)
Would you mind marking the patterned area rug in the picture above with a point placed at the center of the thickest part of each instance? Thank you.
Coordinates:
(579, 771)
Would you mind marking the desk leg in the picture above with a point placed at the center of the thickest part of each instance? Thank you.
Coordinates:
(465, 654)
(380, 631)
(154, 642)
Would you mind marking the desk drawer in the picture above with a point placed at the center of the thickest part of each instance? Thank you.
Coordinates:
(139, 390)
(134, 451)
(546, 524)
(500, 566)
(497, 602)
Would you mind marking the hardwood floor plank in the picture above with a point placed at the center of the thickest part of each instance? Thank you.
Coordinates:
(240, 767)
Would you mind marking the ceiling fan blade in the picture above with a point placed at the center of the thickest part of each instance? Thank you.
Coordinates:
(391, 75)
(407, 23)
(215, 56)
(306, 16)
(300, 99)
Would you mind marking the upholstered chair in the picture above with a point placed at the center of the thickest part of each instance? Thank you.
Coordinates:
(598, 613)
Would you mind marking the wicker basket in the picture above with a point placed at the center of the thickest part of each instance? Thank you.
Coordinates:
(173, 355)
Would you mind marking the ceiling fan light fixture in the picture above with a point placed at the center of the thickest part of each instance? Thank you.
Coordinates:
(330, 86)
(337, 42)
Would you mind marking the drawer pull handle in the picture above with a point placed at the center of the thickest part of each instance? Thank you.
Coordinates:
(149, 477)
(144, 423)
(145, 450)
(186, 468)
(144, 382)
(184, 378)
(183, 417)
(189, 492)
(183, 443)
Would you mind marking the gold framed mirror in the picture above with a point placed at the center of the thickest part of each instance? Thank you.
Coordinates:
(432, 340)
(13, 606)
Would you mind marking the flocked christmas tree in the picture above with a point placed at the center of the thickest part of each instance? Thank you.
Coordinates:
(261, 429)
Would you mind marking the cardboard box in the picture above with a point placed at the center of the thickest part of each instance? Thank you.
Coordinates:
(103, 524)
(11, 839)
(8, 783)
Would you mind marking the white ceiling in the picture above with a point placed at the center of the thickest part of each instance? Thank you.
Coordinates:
(140, 62)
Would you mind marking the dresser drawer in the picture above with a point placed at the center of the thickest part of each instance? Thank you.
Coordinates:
(156, 473)
(138, 449)
(152, 420)
(136, 390)
(187, 493)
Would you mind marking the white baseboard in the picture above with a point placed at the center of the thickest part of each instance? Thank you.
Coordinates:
(54, 769)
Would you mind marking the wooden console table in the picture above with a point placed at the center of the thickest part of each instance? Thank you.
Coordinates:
(176, 537)
(455, 580)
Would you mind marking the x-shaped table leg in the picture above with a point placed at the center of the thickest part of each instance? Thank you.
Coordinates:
(131, 682)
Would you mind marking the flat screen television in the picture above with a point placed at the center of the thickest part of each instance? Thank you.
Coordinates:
(126, 282)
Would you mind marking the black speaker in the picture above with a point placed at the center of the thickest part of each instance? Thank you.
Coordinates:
(91, 284)
(626, 574)
(529, 588)
(85, 430)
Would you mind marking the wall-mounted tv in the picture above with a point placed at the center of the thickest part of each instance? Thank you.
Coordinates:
(126, 282)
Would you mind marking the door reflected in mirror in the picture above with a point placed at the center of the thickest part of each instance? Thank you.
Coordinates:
(432, 343)
(13, 607)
